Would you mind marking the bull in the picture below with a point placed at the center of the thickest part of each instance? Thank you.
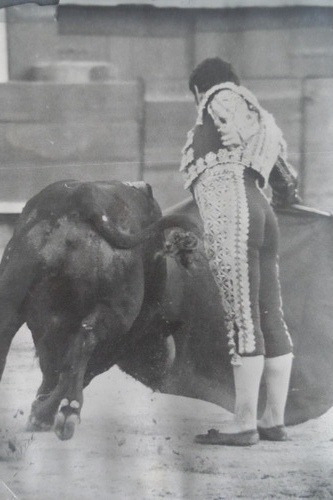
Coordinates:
(192, 307)
(85, 271)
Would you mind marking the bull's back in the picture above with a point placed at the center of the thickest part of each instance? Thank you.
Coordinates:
(127, 206)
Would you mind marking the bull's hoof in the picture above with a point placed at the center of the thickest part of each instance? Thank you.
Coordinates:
(66, 419)
(64, 427)
(36, 425)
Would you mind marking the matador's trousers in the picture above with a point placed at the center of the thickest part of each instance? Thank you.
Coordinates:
(241, 243)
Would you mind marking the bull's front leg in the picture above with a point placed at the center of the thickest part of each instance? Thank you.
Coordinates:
(78, 356)
(19, 268)
(45, 406)
(10, 322)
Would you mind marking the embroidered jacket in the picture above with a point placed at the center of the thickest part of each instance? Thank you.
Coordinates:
(262, 146)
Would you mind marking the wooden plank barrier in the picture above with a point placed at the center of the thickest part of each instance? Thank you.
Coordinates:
(167, 123)
(51, 131)
(96, 131)
(318, 139)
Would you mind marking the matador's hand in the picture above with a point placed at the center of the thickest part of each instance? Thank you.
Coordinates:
(230, 135)
(231, 139)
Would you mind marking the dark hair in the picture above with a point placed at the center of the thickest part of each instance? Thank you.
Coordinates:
(211, 72)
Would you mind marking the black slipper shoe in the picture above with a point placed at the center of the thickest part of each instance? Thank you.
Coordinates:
(276, 433)
(213, 436)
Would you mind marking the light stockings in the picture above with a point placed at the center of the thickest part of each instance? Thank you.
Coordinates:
(276, 376)
(247, 379)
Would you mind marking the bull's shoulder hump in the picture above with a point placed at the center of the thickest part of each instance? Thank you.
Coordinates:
(142, 186)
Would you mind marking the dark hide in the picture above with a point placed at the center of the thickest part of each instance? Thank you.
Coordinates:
(74, 272)
(202, 368)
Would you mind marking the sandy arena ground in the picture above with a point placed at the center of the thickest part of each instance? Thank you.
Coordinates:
(134, 444)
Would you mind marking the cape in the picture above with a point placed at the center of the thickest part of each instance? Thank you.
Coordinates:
(202, 369)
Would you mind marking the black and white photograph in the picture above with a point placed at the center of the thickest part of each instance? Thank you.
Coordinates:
(166, 236)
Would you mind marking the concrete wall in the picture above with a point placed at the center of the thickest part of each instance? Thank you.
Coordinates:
(163, 44)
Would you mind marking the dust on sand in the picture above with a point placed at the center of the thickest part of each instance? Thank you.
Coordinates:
(134, 444)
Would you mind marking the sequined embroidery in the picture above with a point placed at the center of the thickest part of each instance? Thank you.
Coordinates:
(262, 146)
(222, 203)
